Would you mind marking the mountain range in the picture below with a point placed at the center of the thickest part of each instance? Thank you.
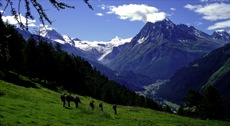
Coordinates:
(155, 53)
(91, 51)
(169, 58)
(159, 49)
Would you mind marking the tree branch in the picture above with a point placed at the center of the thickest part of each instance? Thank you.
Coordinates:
(38, 7)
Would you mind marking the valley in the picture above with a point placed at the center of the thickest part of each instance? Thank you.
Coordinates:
(135, 63)
(149, 62)
(138, 61)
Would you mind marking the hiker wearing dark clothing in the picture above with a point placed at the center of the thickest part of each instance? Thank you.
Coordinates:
(101, 106)
(115, 108)
(63, 96)
(92, 104)
(77, 100)
(69, 98)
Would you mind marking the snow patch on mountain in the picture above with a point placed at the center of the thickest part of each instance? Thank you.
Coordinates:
(43, 30)
(221, 35)
(197, 33)
(100, 46)
(97, 49)
(67, 38)
(59, 41)
(141, 40)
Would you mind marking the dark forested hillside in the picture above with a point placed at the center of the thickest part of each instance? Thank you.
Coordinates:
(48, 64)
(212, 69)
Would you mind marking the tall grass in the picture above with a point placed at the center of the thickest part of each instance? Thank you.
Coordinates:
(31, 106)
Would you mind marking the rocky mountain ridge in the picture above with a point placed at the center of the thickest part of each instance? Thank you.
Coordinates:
(156, 52)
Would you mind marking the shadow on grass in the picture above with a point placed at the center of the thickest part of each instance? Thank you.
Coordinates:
(49, 86)
(15, 79)
(1, 94)
(68, 108)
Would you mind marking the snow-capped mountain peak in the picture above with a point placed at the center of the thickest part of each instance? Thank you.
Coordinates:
(100, 49)
(221, 32)
(67, 38)
(101, 45)
(116, 39)
(48, 32)
(221, 35)
(52, 34)
(43, 30)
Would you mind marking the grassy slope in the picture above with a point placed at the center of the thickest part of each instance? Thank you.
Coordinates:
(40, 106)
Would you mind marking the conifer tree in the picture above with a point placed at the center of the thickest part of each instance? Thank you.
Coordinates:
(194, 100)
(31, 57)
(206, 106)
(16, 48)
(4, 50)
(213, 107)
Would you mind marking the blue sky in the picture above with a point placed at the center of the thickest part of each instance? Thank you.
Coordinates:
(125, 18)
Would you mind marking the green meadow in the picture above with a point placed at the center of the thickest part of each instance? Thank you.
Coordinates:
(36, 105)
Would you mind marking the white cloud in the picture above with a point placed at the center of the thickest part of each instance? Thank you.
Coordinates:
(99, 14)
(103, 7)
(198, 23)
(192, 7)
(218, 25)
(212, 12)
(137, 12)
(214, 1)
(203, 0)
(11, 20)
(215, 11)
(173, 9)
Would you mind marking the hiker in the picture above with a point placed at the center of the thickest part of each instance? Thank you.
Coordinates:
(63, 96)
(69, 98)
(115, 108)
(77, 100)
(92, 104)
(101, 105)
